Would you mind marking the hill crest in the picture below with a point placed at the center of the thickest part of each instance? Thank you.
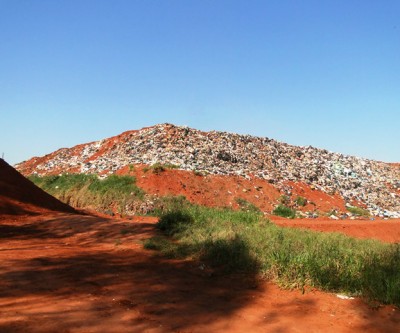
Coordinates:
(371, 183)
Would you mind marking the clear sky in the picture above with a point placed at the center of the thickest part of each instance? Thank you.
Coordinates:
(321, 73)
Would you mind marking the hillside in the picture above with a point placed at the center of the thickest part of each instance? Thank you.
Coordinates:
(363, 182)
(19, 196)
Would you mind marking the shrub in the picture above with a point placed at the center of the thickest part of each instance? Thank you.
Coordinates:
(333, 212)
(284, 211)
(174, 222)
(158, 168)
(232, 254)
(284, 199)
(199, 173)
(166, 204)
(246, 205)
(300, 201)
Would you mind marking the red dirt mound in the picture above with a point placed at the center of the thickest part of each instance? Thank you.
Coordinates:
(210, 190)
(19, 196)
(228, 190)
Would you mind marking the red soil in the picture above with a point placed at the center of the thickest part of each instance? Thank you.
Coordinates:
(210, 190)
(316, 199)
(74, 273)
(223, 191)
(20, 196)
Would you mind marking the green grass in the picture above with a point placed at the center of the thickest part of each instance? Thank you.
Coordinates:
(245, 242)
(88, 191)
(284, 211)
(358, 211)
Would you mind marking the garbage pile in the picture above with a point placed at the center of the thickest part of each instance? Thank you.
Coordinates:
(375, 184)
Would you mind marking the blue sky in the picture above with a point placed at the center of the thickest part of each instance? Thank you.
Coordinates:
(321, 73)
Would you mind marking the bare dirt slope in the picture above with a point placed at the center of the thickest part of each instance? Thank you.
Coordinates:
(225, 190)
(20, 196)
(74, 273)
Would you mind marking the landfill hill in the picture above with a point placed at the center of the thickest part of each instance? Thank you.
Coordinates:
(272, 166)
(19, 196)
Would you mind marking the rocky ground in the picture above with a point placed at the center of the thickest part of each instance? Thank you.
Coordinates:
(371, 184)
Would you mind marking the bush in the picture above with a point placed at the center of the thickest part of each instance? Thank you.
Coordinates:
(169, 204)
(200, 173)
(174, 222)
(158, 168)
(300, 201)
(246, 205)
(284, 199)
(284, 211)
(232, 254)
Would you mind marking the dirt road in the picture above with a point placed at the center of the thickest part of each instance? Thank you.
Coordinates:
(75, 273)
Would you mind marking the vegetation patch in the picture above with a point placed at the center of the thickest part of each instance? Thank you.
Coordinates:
(82, 190)
(247, 206)
(168, 204)
(300, 201)
(200, 173)
(158, 168)
(246, 242)
(358, 211)
(333, 212)
(174, 222)
(284, 211)
(284, 199)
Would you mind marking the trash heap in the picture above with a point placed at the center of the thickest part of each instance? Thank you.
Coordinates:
(372, 183)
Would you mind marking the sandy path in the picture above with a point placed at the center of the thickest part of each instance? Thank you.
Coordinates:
(73, 273)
